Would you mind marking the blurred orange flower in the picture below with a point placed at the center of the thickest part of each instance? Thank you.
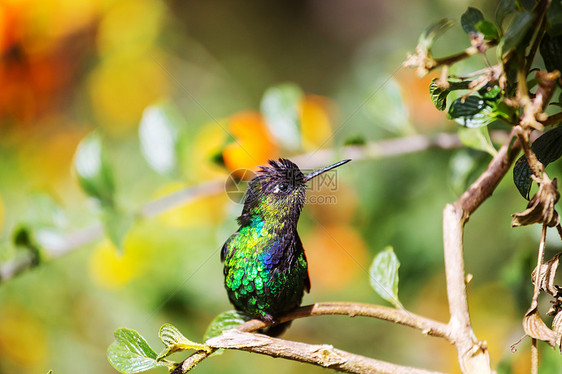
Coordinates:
(253, 145)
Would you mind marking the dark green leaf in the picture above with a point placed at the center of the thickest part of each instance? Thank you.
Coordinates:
(384, 276)
(93, 171)
(547, 148)
(224, 321)
(554, 18)
(130, 353)
(477, 138)
(279, 106)
(432, 32)
(488, 29)
(470, 18)
(473, 112)
(439, 96)
(551, 52)
(517, 31)
(117, 224)
(504, 8)
(159, 138)
(355, 140)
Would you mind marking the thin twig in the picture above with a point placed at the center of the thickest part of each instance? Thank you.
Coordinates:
(425, 325)
(468, 52)
(371, 150)
(540, 258)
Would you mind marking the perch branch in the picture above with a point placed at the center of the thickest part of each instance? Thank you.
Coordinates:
(320, 354)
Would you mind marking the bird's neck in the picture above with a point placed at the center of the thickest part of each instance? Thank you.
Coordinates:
(272, 221)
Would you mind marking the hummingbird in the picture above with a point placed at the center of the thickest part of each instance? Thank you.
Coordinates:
(265, 267)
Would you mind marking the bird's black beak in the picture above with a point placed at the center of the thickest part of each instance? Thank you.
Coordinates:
(323, 170)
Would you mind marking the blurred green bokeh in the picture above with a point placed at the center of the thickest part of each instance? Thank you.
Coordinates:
(71, 67)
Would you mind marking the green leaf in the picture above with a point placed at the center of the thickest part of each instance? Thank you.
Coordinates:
(93, 171)
(488, 29)
(439, 96)
(130, 353)
(477, 138)
(117, 224)
(517, 31)
(432, 32)
(384, 276)
(551, 52)
(355, 140)
(159, 139)
(279, 106)
(554, 18)
(490, 91)
(473, 112)
(387, 108)
(224, 321)
(175, 341)
(504, 8)
(470, 18)
(547, 148)
(462, 165)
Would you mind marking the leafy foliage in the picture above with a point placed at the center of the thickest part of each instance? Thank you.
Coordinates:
(130, 353)
(547, 148)
(384, 276)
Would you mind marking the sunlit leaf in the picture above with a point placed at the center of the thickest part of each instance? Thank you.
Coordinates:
(462, 166)
(516, 32)
(159, 139)
(470, 18)
(130, 353)
(477, 138)
(439, 95)
(432, 32)
(224, 321)
(93, 171)
(488, 29)
(384, 276)
(174, 341)
(490, 91)
(547, 148)
(387, 108)
(279, 106)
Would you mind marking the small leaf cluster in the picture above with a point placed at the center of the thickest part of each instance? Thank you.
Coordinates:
(130, 352)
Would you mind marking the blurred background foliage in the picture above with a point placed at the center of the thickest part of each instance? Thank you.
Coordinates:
(203, 79)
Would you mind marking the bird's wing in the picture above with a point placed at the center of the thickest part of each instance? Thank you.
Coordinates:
(224, 250)
(299, 250)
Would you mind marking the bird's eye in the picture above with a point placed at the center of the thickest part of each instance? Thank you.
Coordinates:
(283, 187)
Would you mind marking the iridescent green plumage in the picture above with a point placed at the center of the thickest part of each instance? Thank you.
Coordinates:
(265, 266)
